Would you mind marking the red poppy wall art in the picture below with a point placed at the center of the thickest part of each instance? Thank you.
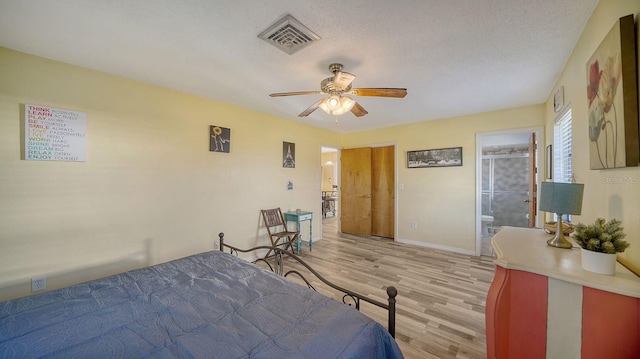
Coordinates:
(612, 95)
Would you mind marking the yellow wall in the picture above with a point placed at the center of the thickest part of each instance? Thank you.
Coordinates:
(150, 190)
(611, 193)
(442, 200)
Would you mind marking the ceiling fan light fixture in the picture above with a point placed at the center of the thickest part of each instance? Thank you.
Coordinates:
(347, 103)
(333, 102)
(337, 105)
(336, 87)
(325, 107)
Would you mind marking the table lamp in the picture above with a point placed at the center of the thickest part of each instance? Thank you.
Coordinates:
(561, 198)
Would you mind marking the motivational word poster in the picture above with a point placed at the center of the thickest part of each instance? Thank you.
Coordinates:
(53, 134)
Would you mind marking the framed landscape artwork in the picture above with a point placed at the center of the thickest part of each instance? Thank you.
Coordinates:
(441, 157)
(612, 95)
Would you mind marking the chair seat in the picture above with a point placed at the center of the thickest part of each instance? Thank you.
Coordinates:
(284, 234)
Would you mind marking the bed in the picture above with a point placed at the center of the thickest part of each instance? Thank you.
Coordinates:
(208, 305)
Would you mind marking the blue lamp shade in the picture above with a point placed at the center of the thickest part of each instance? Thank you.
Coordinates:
(563, 198)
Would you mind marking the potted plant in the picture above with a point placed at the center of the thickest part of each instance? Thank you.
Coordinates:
(600, 242)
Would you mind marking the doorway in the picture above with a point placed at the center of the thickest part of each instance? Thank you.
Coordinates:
(329, 188)
(506, 182)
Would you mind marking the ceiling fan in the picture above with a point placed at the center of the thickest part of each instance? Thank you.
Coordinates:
(337, 87)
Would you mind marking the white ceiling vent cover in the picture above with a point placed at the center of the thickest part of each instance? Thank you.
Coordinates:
(289, 35)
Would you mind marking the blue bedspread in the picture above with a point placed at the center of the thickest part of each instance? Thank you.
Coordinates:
(209, 305)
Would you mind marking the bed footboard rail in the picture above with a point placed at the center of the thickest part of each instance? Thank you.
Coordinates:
(349, 295)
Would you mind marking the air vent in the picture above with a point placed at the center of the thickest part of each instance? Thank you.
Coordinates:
(289, 35)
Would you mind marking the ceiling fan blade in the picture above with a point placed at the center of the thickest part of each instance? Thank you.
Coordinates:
(311, 108)
(343, 79)
(279, 94)
(358, 110)
(382, 92)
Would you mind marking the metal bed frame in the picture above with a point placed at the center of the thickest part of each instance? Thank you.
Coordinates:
(278, 268)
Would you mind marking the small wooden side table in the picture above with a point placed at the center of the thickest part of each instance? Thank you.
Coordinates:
(299, 217)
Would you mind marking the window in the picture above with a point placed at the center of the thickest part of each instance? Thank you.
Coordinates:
(562, 171)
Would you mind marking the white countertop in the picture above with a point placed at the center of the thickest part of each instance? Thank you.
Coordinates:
(526, 249)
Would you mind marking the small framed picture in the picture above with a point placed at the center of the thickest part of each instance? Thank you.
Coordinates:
(288, 155)
(219, 139)
(558, 99)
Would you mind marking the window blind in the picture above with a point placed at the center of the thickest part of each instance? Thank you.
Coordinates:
(562, 171)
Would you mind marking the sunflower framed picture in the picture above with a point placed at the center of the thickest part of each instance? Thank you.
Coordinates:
(612, 94)
(219, 139)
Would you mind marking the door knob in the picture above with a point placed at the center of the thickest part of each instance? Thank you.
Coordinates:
(527, 200)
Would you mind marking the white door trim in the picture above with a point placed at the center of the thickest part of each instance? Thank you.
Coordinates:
(539, 131)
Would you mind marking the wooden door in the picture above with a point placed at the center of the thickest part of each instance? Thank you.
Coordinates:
(533, 187)
(355, 191)
(382, 191)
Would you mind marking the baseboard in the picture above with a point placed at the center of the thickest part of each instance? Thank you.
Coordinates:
(436, 246)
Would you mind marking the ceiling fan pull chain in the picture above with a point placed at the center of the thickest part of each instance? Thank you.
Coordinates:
(336, 120)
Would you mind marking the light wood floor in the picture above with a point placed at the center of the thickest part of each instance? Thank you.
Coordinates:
(441, 295)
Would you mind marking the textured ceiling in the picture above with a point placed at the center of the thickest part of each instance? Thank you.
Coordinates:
(455, 57)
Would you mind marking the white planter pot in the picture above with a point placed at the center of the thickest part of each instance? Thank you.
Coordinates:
(601, 263)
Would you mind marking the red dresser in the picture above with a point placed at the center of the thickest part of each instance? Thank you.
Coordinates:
(542, 304)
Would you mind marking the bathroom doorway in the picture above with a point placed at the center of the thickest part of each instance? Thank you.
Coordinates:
(507, 179)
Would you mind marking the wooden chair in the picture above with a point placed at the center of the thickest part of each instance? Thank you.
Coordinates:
(277, 229)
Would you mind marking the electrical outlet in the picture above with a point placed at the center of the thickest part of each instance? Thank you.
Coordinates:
(414, 224)
(38, 284)
(216, 244)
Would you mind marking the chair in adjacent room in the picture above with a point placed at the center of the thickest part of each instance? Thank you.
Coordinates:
(277, 229)
(328, 203)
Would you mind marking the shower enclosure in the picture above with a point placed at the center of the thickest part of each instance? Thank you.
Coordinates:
(505, 185)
